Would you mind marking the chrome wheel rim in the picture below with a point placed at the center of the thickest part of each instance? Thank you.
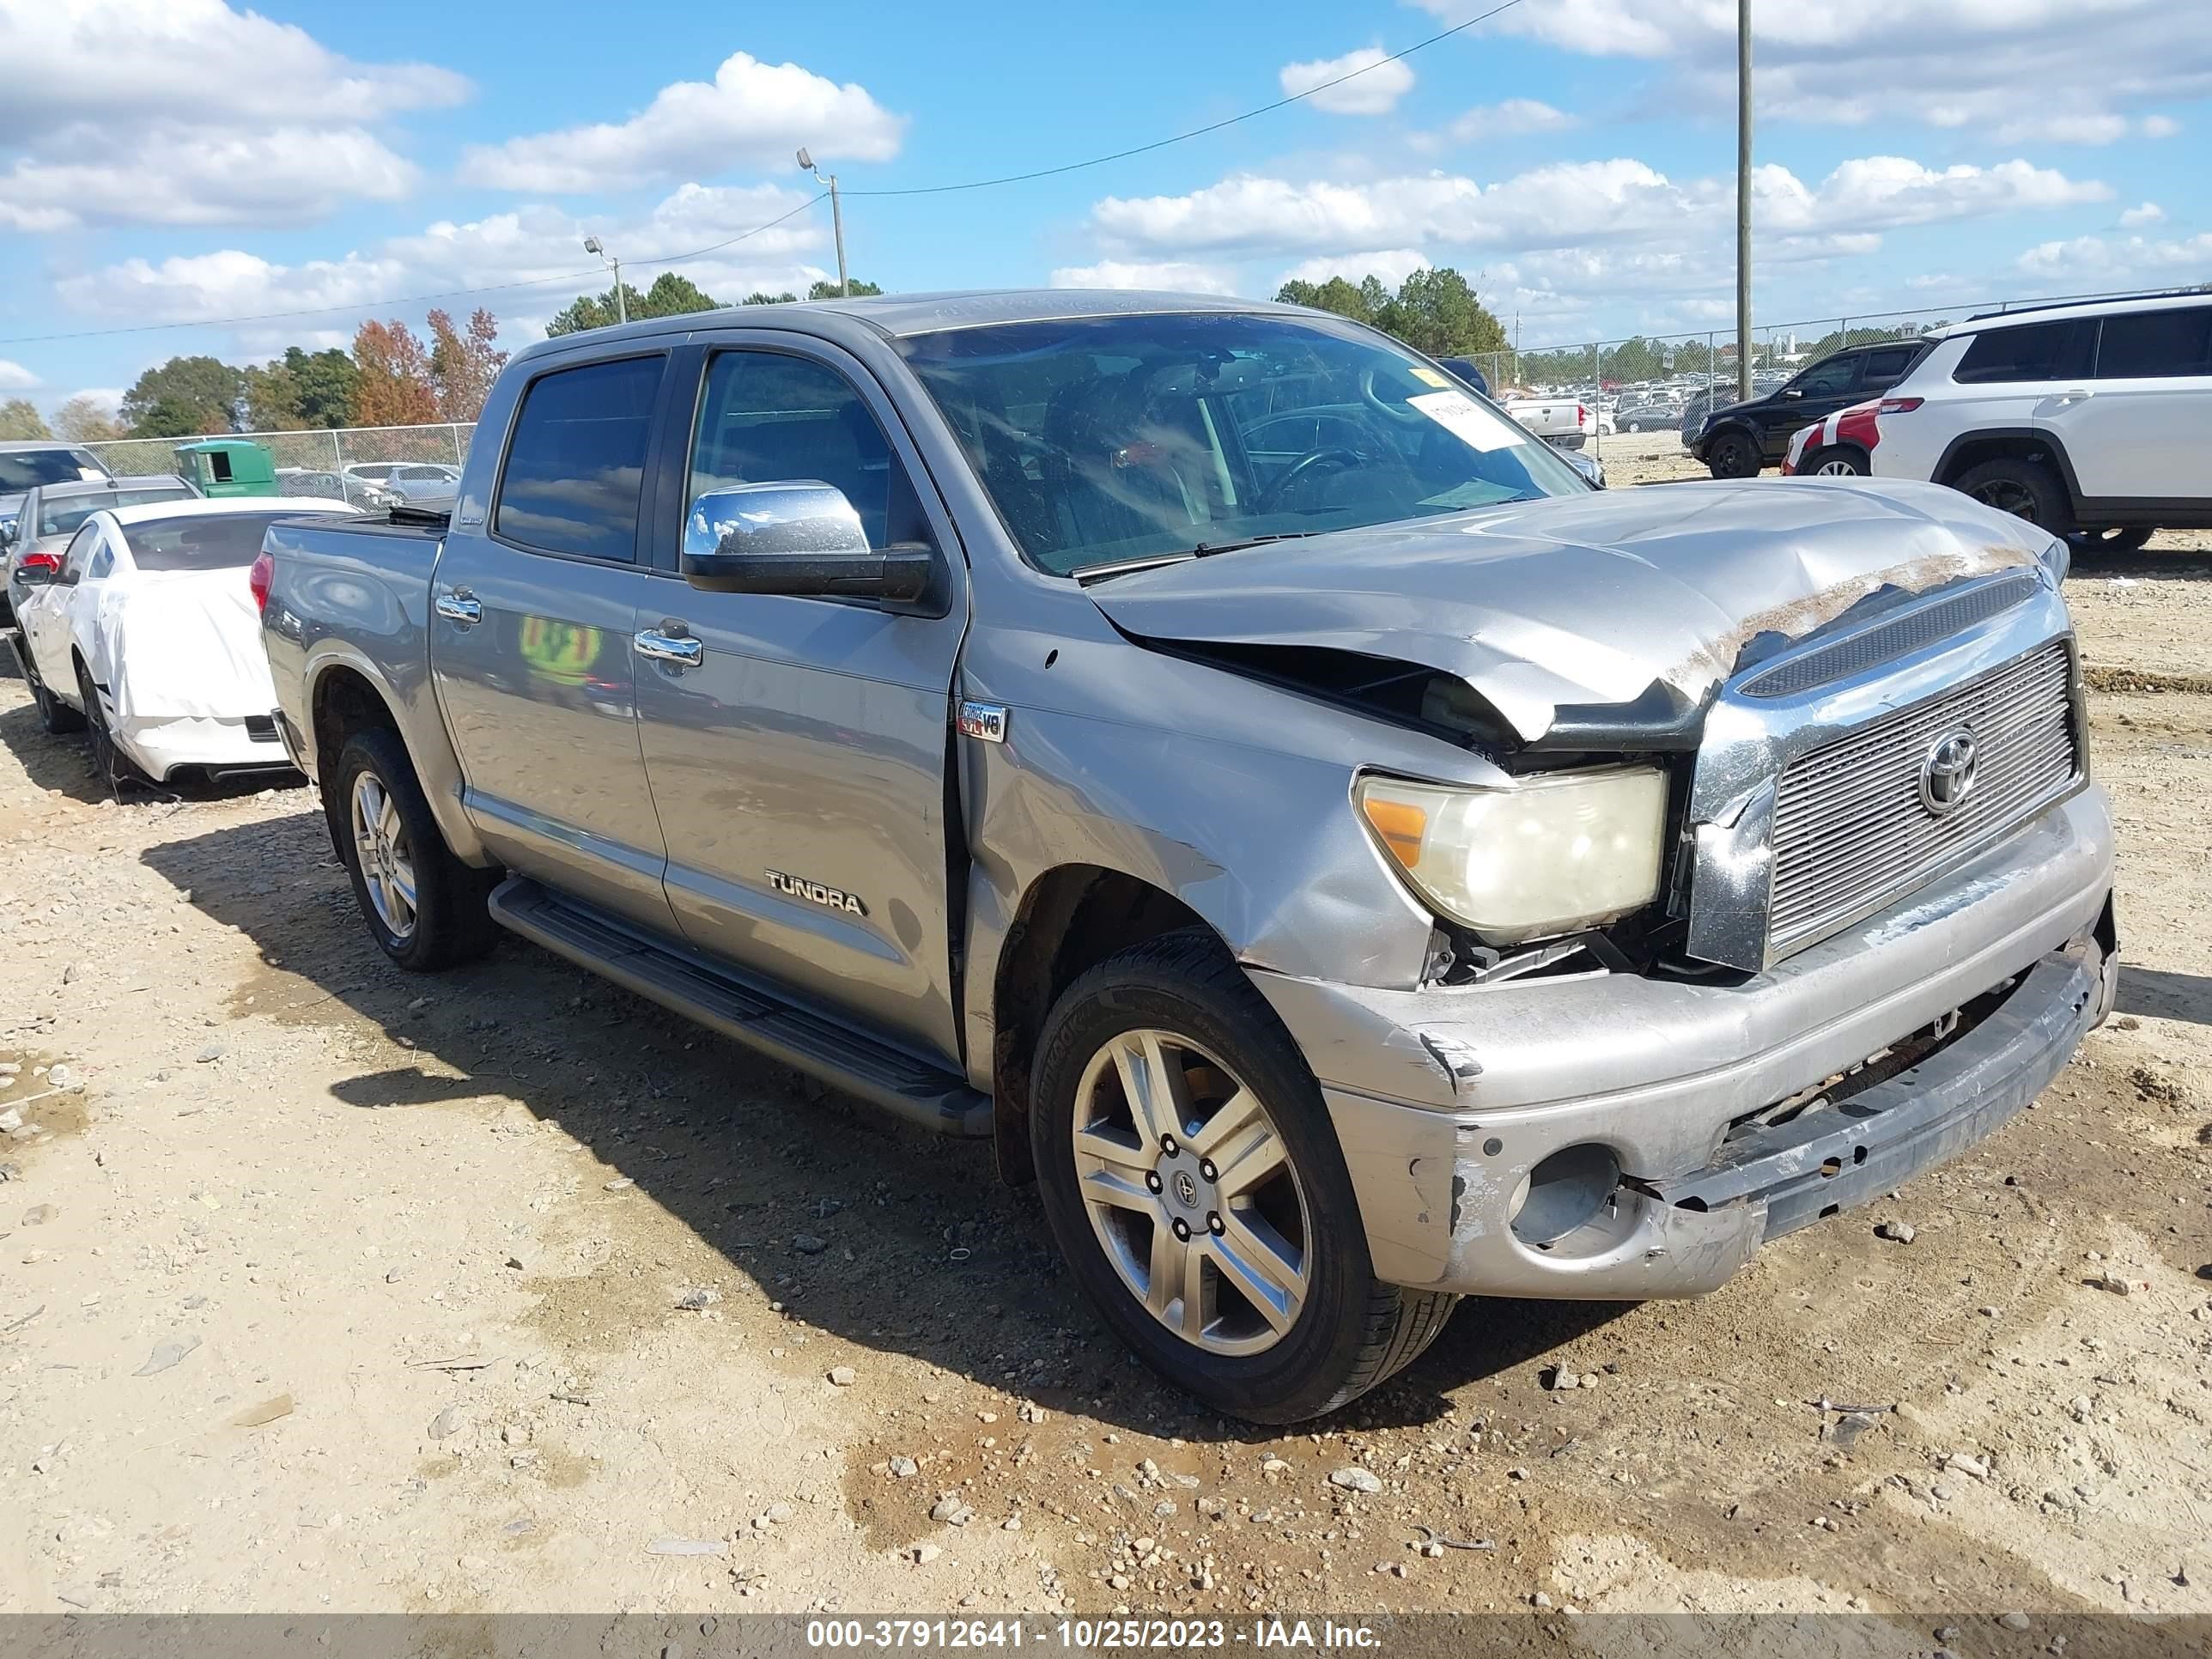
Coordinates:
(1835, 470)
(1191, 1193)
(388, 863)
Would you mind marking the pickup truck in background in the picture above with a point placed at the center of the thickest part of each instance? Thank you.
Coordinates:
(1566, 421)
(1343, 860)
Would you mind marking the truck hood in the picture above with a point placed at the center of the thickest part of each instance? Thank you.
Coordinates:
(1626, 596)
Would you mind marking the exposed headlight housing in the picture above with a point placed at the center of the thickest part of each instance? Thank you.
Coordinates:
(1546, 855)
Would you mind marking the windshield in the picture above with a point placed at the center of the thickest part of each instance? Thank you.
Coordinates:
(26, 469)
(1103, 439)
(212, 542)
(63, 518)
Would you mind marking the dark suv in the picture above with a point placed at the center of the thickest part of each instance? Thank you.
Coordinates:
(1738, 440)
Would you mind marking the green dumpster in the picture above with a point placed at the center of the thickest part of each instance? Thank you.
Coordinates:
(227, 466)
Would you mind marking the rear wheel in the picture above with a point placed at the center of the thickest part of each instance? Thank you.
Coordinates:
(1732, 455)
(55, 716)
(424, 908)
(2026, 489)
(1837, 461)
(116, 769)
(1191, 1177)
(2113, 538)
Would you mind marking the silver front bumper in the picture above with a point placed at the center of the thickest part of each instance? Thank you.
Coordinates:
(1444, 1099)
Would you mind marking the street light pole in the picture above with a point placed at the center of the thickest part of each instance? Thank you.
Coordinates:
(1743, 199)
(837, 217)
(592, 244)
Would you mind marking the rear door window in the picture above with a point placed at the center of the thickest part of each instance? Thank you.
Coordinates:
(575, 466)
(2031, 351)
(1884, 368)
(1829, 379)
(2164, 344)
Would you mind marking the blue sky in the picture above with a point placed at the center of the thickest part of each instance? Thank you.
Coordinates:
(191, 162)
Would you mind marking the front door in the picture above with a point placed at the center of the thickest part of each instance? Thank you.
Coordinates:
(529, 641)
(1819, 393)
(799, 763)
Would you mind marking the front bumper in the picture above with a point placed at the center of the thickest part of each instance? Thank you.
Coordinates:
(1445, 1099)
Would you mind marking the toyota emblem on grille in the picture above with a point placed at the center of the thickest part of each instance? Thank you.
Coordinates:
(1946, 776)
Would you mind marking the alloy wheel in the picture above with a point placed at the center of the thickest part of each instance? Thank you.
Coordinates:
(1191, 1192)
(388, 863)
(2008, 495)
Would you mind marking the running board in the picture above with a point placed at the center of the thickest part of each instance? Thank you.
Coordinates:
(677, 977)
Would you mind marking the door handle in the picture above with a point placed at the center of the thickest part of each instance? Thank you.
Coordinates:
(683, 652)
(2078, 395)
(460, 606)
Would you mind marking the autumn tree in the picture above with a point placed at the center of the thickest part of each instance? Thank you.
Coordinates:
(463, 366)
(184, 397)
(20, 418)
(394, 386)
(83, 419)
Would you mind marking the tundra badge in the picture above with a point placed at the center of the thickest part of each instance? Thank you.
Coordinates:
(815, 893)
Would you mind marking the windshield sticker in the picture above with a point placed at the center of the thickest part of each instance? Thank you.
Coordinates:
(1430, 377)
(1458, 415)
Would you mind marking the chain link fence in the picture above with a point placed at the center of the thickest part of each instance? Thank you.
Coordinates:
(314, 450)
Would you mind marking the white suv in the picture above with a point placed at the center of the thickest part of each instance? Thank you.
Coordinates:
(2092, 420)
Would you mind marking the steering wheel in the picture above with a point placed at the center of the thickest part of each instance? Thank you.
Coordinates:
(1328, 455)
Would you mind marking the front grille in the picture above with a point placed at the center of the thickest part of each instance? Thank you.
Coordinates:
(1850, 830)
(1886, 642)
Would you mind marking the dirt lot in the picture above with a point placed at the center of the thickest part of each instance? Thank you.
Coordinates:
(324, 1287)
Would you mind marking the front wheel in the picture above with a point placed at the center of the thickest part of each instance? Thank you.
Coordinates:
(55, 716)
(1833, 462)
(1732, 455)
(424, 908)
(1190, 1175)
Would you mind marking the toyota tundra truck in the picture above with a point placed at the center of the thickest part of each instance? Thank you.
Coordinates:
(1343, 860)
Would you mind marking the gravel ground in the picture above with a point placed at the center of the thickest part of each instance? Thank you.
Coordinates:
(326, 1287)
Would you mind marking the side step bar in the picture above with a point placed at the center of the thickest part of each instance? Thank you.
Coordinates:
(677, 977)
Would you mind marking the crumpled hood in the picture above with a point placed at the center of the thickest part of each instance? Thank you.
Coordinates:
(1587, 599)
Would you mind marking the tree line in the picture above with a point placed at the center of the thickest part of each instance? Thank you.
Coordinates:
(1434, 311)
(671, 295)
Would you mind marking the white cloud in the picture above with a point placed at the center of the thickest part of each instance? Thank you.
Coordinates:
(2119, 260)
(1947, 63)
(1390, 265)
(750, 112)
(2064, 130)
(1374, 88)
(2150, 213)
(1177, 275)
(187, 112)
(2159, 126)
(1515, 118)
(14, 377)
(523, 246)
(1561, 205)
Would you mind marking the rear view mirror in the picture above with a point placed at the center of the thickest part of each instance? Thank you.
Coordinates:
(38, 569)
(802, 539)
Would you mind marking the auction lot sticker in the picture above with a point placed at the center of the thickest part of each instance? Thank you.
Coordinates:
(1455, 412)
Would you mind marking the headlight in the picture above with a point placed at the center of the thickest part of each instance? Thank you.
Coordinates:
(1545, 855)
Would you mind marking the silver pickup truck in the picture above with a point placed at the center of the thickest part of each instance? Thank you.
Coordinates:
(1344, 860)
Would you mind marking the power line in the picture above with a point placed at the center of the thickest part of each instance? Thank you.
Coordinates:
(409, 299)
(1194, 132)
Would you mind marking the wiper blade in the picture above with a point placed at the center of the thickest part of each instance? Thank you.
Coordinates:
(1207, 549)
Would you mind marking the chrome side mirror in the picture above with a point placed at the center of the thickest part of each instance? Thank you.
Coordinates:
(800, 539)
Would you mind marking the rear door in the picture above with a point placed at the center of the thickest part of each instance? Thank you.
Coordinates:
(43, 613)
(799, 763)
(529, 639)
(2138, 430)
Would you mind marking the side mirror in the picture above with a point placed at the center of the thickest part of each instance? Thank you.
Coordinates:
(38, 569)
(802, 539)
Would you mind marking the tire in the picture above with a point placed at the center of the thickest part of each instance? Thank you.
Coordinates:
(2113, 538)
(446, 921)
(1636, 426)
(1836, 461)
(2026, 489)
(1732, 455)
(116, 769)
(55, 716)
(1342, 1331)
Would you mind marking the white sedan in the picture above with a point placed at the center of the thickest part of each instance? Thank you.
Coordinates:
(145, 627)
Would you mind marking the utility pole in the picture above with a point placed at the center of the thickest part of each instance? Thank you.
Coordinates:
(837, 217)
(592, 244)
(1743, 199)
